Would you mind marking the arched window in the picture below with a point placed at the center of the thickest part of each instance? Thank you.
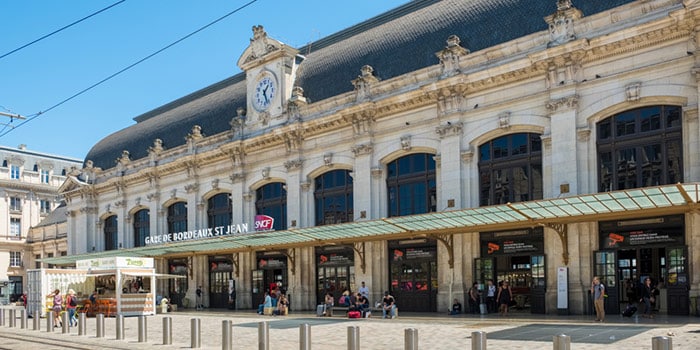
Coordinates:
(333, 197)
(142, 227)
(411, 185)
(271, 200)
(219, 210)
(510, 169)
(640, 147)
(177, 217)
(110, 232)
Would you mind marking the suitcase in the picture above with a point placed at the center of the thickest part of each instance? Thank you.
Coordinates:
(353, 314)
(629, 310)
(320, 310)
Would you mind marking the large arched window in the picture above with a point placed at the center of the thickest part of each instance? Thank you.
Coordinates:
(219, 210)
(271, 200)
(110, 232)
(142, 227)
(411, 185)
(640, 147)
(333, 197)
(177, 217)
(510, 169)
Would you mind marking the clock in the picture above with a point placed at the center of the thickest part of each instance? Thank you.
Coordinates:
(265, 91)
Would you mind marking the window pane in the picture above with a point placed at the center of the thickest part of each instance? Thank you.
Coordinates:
(519, 144)
(650, 119)
(500, 147)
(624, 124)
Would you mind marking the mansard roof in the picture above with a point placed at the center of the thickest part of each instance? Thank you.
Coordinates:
(399, 41)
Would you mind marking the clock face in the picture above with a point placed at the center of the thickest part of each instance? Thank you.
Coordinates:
(265, 91)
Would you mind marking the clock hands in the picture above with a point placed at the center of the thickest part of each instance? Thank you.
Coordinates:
(265, 93)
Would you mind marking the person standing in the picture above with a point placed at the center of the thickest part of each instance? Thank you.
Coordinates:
(599, 299)
(490, 296)
(199, 304)
(647, 297)
(474, 298)
(364, 290)
(71, 304)
(505, 295)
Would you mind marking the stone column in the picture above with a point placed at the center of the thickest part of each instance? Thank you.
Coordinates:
(562, 146)
(450, 167)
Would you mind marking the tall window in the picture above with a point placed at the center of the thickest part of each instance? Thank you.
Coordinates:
(15, 228)
(44, 174)
(37, 263)
(142, 228)
(14, 172)
(640, 147)
(219, 210)
(110, 232)
(15, 259)
(510, 169)
(333, 195)
(15, 204)
(44, 206)
(177, 217)
(271, 200)
(411, 185)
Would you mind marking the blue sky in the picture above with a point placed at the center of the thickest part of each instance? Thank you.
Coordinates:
(36, 78)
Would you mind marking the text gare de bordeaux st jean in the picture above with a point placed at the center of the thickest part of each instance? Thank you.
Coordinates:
(262, 223)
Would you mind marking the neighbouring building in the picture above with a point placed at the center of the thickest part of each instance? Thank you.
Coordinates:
(430, 147)
(29, 182)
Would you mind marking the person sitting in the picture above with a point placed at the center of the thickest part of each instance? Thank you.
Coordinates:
(388, 305)
(456, 308)
(282, 306)
(362, 304)
(344, 299)
(267, 302)
(328, 304)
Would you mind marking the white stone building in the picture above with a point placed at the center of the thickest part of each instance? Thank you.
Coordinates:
(29, 182)
(447, 142)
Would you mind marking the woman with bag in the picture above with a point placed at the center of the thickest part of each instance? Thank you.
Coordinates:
(57, 307)
(71, 304)
(647, 298)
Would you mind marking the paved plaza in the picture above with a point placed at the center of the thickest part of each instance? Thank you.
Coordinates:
(435, 331)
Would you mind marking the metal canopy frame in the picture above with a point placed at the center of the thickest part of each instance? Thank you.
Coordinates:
(551, 213)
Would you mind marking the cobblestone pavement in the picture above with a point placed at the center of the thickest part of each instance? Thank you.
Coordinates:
(435, 331)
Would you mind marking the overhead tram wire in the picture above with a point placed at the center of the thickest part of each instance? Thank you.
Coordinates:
(61, 29)
(40, 113)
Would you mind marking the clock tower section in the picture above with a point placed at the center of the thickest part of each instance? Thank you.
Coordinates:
(270, 68)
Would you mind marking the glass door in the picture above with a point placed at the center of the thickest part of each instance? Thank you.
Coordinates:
(605, 268)
(538, 287)
(676, 281)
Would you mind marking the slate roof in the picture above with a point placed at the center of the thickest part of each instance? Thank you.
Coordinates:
(394, 43)
(56, 216)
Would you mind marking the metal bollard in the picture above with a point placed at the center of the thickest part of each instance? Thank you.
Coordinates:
(410, 339)
(23, 318)
(167, 330)
(661, 343)
(195, 333)
(119, 319)
(353, 338)
(143, 326)
(82, 324)
(561, 342)
(49, 321)
(263, 336)
(226, 335)
(13, 318)
(36, 319)
(478, 340)
(65, 323)
(304, 337)
(100, 327)
(2, 317)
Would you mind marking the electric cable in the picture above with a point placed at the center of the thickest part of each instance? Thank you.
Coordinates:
(62, 28)
(40, 113)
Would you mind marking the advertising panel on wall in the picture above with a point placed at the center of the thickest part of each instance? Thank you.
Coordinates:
(523, 242)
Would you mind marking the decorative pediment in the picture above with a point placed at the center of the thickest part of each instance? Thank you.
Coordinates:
(261, 48)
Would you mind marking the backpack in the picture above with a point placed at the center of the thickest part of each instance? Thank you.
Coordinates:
(341, 300)
(72, 301)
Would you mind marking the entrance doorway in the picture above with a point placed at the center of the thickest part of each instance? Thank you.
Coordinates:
(335, 270)
(220, 275)
(271, 274)
(414, 272)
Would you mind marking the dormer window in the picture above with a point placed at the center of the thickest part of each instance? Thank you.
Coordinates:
(45, 176)
(14, 172)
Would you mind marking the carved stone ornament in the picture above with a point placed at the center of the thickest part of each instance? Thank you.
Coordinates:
(363, 122)
(438, 159)
(561, 23)
(157, 147)
(406, 142)
(237, 177)
(328, 159)
(583, 134)
(449, 129)
(467, 156)
(568, 102)
(377, 172)
(633, 92)
(293, 139)
(189, 188)
(195, 134)
(124, 159)
(215, 184)
(238, 122)
(450, 56)
(297, 96)
(264, 118)
(293, 164)
(153, 196)
(362, 149)
(363, 82)
(305, 186)
(504, 120)
(265, 172)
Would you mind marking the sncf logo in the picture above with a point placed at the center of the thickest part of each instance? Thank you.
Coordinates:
(263, 222)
